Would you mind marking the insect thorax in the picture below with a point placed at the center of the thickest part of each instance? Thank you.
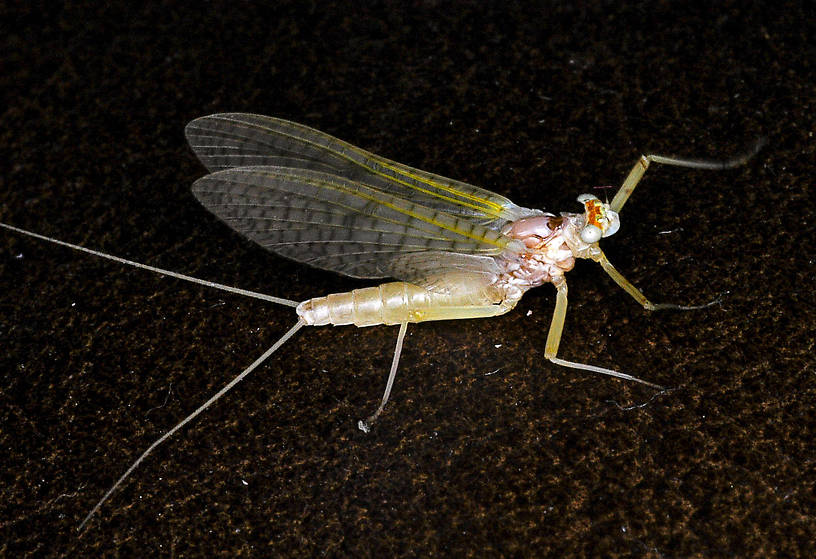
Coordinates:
(552, 245)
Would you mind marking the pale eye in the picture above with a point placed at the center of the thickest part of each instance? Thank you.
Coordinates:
(591, 234)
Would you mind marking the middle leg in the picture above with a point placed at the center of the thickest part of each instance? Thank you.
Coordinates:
(637, 295)
(554, 340)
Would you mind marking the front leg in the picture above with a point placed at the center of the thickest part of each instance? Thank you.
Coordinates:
(637, 172)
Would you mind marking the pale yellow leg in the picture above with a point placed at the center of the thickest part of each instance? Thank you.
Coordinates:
(554, 339)
(438, 313)
(642, 164)
(618, 278)
(557, 322)
(628, 186)
(365, 425)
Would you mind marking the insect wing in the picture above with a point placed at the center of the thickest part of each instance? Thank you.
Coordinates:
(434, 270)
(333, 223)
(229, 140)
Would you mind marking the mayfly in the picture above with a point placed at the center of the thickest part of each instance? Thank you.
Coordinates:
(459, 251)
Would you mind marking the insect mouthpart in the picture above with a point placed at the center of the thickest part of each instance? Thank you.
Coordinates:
(600, 220)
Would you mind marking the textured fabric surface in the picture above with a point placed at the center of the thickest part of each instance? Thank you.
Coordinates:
(485, 449)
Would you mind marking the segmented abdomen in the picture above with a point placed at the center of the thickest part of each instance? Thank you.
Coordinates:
(398, 302)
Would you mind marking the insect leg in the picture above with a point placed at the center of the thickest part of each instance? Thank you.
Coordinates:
(557, 322)
(365, 425)
(636, 294)
(554, 339)
(283, 339)
(435, 313)
(642, 164)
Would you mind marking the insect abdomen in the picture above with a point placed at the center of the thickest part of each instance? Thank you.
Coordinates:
(389, 303)
(398, 302)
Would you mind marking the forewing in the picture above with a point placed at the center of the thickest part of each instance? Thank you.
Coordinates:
(229, 140)
(336, 224)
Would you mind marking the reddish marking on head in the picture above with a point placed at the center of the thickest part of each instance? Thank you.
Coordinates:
(594, 213)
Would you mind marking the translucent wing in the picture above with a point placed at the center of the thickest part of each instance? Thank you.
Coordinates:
(224, 141)
(432, 269)
(337, 224)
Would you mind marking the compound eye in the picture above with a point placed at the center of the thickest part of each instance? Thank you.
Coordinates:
(614, 223)
(591, 234)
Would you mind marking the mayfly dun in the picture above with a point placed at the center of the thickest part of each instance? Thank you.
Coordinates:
(459, 251)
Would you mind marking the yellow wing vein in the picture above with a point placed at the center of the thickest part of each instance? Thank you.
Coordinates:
(501, 242)
(325, 184)
(367, 158)
(496, 208)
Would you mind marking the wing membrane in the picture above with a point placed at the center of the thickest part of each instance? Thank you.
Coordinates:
(229, 140)
(334, 223)
(428, 269)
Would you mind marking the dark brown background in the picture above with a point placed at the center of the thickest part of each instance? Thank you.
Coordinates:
(486, 449)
